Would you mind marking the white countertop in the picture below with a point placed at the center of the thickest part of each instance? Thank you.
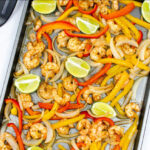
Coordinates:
(7, 38)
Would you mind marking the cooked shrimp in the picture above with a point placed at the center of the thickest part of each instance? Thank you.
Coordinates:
(37, 24)
(86, 96)
(60, 100)
(32, 37)
(71, 20)
(36, 131)
(62, 39)
(131, 110)
(45, 90)
(83, 126)
(31, 59)
(96, 97)
(115, 134)
(85, 4)
(69, 84)
(63, 2)
(49, 69)
(99, 42)
(63, 130)
(84, 139)
(115, 4)
(147, 53)
(25, 100)
(114, 28)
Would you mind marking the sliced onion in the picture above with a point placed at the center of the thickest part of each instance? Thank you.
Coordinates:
(45, 58)
(74, 145)
(123, 122)
(119, 115)
(113, 49)
(12, 92)
(148, 35)
(132, 142)
(59, 7)
(35, 107)
(130, 42)
(26, 71)
(69, 135)
(32, 15)
(20, 102)
(92, 63)
(142, 48)
(50, 132)
(64, 75)
(120, 51)
(127, 99)
(69, 114)
(31, 142)
(7, 111)
(47, 19)
(18, 73)
(95, 116)
(64, 50)
(63, 140)
(3, 127)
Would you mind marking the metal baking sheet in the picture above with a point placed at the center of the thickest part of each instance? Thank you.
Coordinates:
(18, 51)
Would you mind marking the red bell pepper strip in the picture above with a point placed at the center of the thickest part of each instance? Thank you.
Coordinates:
(95, 77)
(20, 115)
(55, 25)
(80, 94)
(18, 135)
(87, 50)
(87, 115)
(111, 123)
(31, 112)
(96, 35)
(76, 3)
(140, 37)
(69, 4)
(64, 108)
(117, 147)
(122, 12)
(75, 106)
(79, 145)
(49, 41)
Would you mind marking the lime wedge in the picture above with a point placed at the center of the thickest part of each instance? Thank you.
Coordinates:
(103, 109)
(34, 148)
(77, 67)
(44, 6)
(27, 83)
(86, 25)
(146, 10)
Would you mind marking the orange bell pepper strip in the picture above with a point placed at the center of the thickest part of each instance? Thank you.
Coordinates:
(140, 37)
(55, 25)
(49, 41)
(20, 114)
(69, 4)
(95, 77)
(64, 108)
(18, 135)
(31, 112)
(96, 35)
(111, 123)
(79, 145)
(122, 12)
(76, 3)
(117, 147)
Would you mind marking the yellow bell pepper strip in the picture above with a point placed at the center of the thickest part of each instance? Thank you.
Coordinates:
(67, 13)
(60, 89)
(125, 29)
(116, 61)
(61, 147)
(108, 37)
(55, 25)
(131, 27)
(119, 109)
(123, 93)
(113, 69)
(31, 117)
(122, 12)
(138, 21)
(93, 146)
(139, 64)
(104, 145)
(51, 113)
(137, 4)
(99, 144)
(116, 89)
(66, 122)
(125, 141)
(121, 69)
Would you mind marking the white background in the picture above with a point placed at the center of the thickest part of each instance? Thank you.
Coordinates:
(7, 38)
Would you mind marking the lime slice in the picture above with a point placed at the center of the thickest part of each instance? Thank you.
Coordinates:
(103, 109)
(34, 148)
(77, 67)
(86, 25)
(44, 6)
(146, 10)
(27, 83)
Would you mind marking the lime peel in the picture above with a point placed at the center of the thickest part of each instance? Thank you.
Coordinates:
(146, 10)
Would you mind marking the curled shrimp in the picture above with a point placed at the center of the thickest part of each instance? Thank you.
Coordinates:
(63, 130)
(85, 4)
(69, 84)
(63, 2)
(83, 126)
(115, 4)
(37, 24)
(71, 20)
(131, 109)
(26, 100)
(45, 90)
(60, 100)
(99, 42)
(115, 134)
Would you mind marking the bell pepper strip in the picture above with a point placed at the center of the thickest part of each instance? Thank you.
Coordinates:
(125, 141)
(55, 25)
(132, 28)
(122, 12)
(80, 94)
(87, 50)
(137, 4)
(66, 13)
(138, 21)
(87, 115)
(31, 112)
(32, 117)
(79, 145)
(76, 3)
(104, 145)
(117, 147)
(111, 123)
(64, 108)
(139, 40)
(116, 89)
(125, 29)
(66, 122)
(20, 114)
(49, 41)
(123, 93)
(95, 77)
(119, 109)
(69, 4)
(113, 69)
(18, 135)
(96, 35)
(75, 106)
(48, 115)
(94, 146)
(116, 61)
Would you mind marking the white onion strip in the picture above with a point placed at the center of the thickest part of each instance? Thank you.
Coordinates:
(47, 19)
(74, 145)
(130, 42)
(7, 111)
